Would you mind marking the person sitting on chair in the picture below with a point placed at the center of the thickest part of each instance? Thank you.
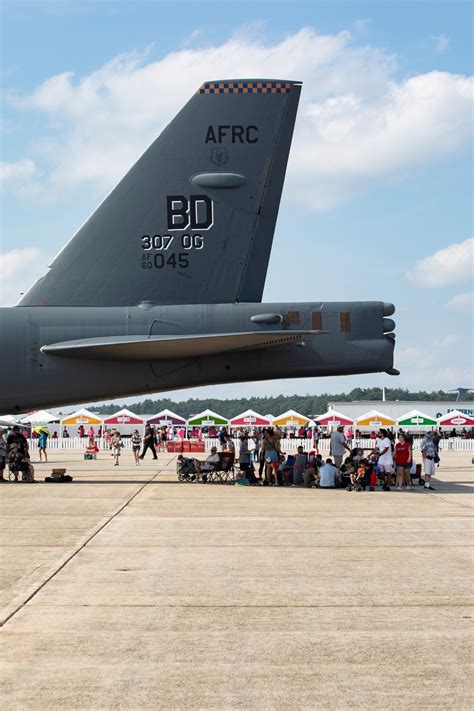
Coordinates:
(208, 465)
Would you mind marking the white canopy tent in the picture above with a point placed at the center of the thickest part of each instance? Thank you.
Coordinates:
(41, 417)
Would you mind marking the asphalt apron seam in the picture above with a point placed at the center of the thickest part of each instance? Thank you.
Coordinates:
(79, 549)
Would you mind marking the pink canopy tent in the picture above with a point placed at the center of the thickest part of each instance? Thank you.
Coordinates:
(249, 418)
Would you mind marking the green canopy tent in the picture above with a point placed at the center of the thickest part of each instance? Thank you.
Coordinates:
(416, 420)
(207, 419)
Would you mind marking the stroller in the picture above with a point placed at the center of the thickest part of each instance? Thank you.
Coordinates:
(362, 479)
(186, 469)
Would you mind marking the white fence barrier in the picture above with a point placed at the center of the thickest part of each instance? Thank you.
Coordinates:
(455, 444)
(291, 445)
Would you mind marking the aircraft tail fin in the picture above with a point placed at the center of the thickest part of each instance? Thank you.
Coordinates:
(193, 219)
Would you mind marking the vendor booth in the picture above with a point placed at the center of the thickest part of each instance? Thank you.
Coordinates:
(79, 421)
(208, 418)
(334, 419)
(373, 420)
(414, 421)
(41, 417)
(249, 419)
(290, 420)
(166, 418)
(125, 422)
(456, 420)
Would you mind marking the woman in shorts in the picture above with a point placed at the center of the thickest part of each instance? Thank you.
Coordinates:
(136, 441)
(116, 447)
(403, 457)
(270, 455)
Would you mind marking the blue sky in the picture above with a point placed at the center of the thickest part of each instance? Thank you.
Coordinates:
(381, 166)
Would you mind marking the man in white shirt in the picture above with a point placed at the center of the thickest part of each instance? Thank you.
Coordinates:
(208, 465)
(385, 461)
(328, 474)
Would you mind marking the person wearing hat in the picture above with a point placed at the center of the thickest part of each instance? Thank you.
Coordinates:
(338, 445)
(16, 437)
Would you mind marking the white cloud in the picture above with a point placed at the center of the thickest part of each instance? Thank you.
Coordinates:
(18, 171)
(453, 265)
(446, 341)
(19, 269)
(440, 43)
(462, 302)
(356, 124)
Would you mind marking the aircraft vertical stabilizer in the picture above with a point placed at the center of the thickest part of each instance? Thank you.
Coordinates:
(193, 220)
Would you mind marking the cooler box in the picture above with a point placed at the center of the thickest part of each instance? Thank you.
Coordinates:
(170, 446)
(186, 445)
(178, 446)
(197, 447)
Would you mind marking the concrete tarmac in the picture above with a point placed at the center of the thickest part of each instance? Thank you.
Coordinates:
(129, 590)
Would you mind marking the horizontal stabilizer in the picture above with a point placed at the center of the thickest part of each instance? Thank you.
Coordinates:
(164, 347)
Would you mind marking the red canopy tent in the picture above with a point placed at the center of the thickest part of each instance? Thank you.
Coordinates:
(334, 419)
(125, 421)
(249, 418)
(456, 419)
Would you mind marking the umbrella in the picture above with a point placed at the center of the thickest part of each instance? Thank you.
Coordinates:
(42, 430)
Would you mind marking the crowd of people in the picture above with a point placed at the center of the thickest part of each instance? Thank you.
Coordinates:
(261, 461)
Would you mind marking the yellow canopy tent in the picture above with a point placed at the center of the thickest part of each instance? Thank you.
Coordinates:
(373, 419)
(290, 419)
(81, 417)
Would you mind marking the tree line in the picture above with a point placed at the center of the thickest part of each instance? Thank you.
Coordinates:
(309, 405)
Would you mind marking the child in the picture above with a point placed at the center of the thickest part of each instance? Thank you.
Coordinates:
(136, 441)
(358, 476)
(116, 446)
(42, 442)
(92, 448)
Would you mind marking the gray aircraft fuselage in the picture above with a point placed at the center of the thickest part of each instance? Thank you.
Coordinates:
(353, 339)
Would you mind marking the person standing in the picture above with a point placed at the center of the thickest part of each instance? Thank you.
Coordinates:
(428, 451)
(316, 438)
(223, 438)
(337, 445)
(385, 461)
(244, 454)
(116, 446)
(42, 442)
(403, 460)
(148, 442)
(136, 441)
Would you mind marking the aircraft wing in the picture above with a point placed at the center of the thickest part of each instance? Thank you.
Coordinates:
(164, 347)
